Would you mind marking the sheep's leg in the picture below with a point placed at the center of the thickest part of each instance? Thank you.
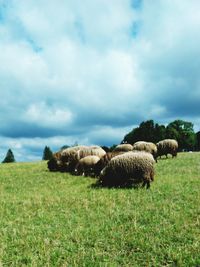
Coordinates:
(148, 184)
(144, 184)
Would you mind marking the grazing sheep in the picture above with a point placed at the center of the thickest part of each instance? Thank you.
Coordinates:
(123, 147)
(129, 169)
(104, 161)
(67, 157)
(85, 166)
(167, 146)
(72, 157)
(69, 151)
(146, 146)
(96, 151)
(54, 164)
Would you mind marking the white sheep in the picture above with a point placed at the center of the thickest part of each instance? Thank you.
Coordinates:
(123, 147)
(146, 146)
(167, 146)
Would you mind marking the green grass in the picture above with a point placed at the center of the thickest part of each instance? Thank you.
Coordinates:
(55, 219)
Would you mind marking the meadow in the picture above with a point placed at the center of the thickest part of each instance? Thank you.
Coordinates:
(56, 219)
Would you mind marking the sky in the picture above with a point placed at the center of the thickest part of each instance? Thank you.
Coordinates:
(88, 72)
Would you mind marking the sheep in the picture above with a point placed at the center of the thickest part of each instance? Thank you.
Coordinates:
(69, 151)
(72, 157)
(123, 147)
(104, 161)
(85, 166)
(94, 146)
(54, 164)
(128, 169)
(68, 155)
(146, 146)
(167, 146)
(96, 151)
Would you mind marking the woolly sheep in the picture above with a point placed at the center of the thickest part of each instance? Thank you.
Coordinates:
(104, 161)
(90, 151)
(146, 146)
(85, 166)
(128, 169)
(94, 146)
(65, 153)
(68, 155)
(123, 147)
(167, 146)
(54, 164)
(74, 156)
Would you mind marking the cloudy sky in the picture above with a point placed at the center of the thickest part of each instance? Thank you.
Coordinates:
(90, 71)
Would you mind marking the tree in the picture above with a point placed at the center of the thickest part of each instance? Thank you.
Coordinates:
(159, 132)
(183, 132)
(180, 130)
(198, 140)
(147, 131)
(9, 157)
(47, 153)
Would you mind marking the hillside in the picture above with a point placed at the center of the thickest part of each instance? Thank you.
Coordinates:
(56, 219)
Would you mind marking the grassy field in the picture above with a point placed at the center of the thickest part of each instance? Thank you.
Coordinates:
(55, 219)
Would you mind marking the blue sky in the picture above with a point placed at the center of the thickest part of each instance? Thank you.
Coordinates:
(90, 71)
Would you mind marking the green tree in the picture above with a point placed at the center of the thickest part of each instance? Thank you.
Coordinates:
(64, 147)
(9, 157)
(147, 131)
(159, 132)
(180, 130)
(47, 153)
(183, 132)
(198, 140)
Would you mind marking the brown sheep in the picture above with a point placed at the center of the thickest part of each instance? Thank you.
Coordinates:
(104, 161)
(128, 169)
(55, 163)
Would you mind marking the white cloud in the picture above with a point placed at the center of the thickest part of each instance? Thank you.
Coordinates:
(45, 116)
(82, 68)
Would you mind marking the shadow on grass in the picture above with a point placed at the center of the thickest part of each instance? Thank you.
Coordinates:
(99, 185)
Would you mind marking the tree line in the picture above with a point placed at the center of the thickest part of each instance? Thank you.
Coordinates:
(180, 130)
(148, 131)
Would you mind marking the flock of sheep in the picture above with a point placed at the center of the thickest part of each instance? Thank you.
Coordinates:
(126, 165)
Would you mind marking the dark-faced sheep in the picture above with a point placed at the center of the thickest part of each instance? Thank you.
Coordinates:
(146, 146)
(68, 155)
(167, 146)
(54, 164)
(123, 147)
(86, 165)
(128, 169)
